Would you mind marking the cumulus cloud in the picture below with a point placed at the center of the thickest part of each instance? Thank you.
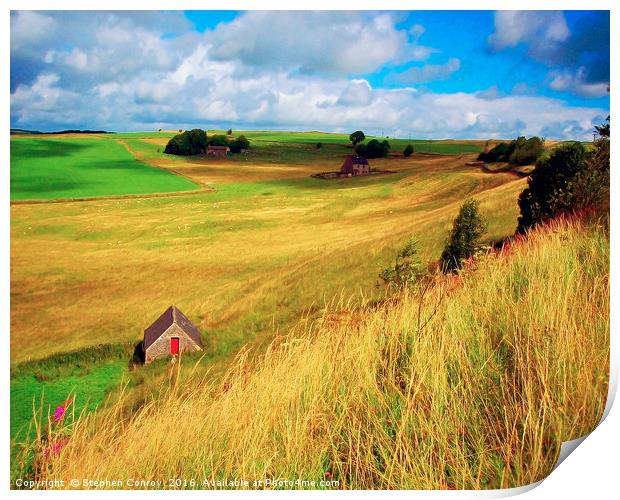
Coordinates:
(429, 72)
(541, 30)
(579, 55)
(127, 74)
(337, 42)
(577, 84)
(357, 93)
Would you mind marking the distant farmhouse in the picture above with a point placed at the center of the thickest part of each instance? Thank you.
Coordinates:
(170, 334)
(354, 165)
(218, 150)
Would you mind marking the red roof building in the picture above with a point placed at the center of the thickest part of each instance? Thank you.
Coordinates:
(354, 165)
(218, 150)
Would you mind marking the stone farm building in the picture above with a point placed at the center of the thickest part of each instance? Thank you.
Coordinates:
(218, 150)
(170, 334)
(354, 165)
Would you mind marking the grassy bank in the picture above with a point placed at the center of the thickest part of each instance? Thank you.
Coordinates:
(87, 375)
(473, 382)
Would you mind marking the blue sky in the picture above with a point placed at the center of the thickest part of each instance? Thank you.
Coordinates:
(436, 74)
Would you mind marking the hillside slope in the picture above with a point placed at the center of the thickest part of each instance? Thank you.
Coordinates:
(473, 382)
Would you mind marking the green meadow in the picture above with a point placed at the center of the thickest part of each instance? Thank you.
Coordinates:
(52, 168)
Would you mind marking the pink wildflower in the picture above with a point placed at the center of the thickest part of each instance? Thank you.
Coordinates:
(59, 413)
(55, 447)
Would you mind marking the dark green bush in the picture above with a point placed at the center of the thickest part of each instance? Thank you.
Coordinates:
(373, 149)
(497, 153)
(218, 140)
(567, 179)
(526, 151)
(520, 151)
(464, 239)
(408, 150)
(239, 144)
(190, 142)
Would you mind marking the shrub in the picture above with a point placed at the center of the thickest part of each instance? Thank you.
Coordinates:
(229, 131)
(319, 145)
(239, 144)
(464, 239)
(357, 137)
(408, 151)
(407, 269)
(373, 149)
(190, 142)
(521, 151)
(497, 153)
(552, 185)
(526, 151)
(218, 140)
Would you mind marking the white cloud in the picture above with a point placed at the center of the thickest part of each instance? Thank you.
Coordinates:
(335, 42)
(214, 93)
(538, 28)
(30, 28)
(357, 93)
(576, 83)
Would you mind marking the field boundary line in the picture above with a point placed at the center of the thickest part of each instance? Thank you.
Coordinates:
(116, 197)
(137, 156)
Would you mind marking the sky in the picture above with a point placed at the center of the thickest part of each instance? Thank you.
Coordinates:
(419, 74)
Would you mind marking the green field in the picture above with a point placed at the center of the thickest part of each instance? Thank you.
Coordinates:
(52, 168)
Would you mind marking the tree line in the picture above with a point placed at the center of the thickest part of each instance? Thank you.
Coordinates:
(196, 141)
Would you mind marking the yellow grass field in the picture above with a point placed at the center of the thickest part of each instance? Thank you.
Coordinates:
(266, 246)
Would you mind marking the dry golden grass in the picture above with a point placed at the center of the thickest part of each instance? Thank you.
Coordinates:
(472, 382)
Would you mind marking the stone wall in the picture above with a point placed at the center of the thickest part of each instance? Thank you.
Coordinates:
(161, 347)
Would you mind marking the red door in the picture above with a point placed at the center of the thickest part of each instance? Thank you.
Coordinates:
(174, 345)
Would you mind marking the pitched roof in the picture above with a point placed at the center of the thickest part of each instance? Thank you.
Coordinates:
(166, 320)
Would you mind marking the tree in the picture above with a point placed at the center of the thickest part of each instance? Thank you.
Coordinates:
(464, 239)
(190, 142)
(319, 145)
(407, 269)
(551, 186)
(357, 137)
(408, 151)
(373, 149)
(603, 129)
(520, 151)
(218, 140)
(496, 153)
(241, 143)
(527, 151)
(229, 131)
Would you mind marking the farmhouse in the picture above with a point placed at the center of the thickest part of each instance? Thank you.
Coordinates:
(354, 165)
(170, 334)
(218, 150)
